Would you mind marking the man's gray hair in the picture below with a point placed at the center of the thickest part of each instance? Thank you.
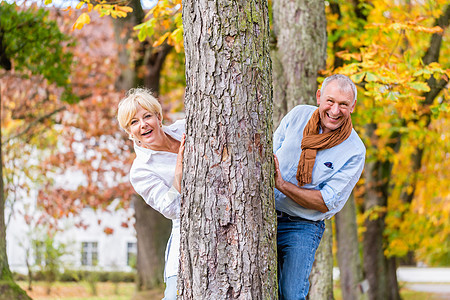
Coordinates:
(345, 84)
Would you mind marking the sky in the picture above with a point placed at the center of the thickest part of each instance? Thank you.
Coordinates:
(73, 3)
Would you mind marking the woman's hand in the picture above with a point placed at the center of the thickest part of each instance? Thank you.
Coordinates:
(279, 181)
(179, 165)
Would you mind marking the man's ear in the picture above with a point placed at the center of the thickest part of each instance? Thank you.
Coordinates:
(352, 108)
(318, 96)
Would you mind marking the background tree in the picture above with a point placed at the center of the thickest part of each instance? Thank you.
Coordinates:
(228, 218)
(296, 66)
(402, 101)
(139, 63)
(348, 247)
(29, 44)
(299, 32)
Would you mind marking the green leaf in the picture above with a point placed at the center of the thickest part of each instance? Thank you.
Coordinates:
(357, 78)
(371, 77)
(419, 86)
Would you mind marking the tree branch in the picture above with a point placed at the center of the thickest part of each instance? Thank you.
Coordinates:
(34, 123)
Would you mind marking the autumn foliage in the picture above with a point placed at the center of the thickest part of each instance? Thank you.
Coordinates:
(402, 115)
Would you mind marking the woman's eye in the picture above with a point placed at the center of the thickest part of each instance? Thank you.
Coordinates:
(133, 122)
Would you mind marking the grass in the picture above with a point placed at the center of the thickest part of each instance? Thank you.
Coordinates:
(405, 294)
(127, 291)
(81, 290)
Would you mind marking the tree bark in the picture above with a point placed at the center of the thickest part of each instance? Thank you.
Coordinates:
(153, 233)
(321, 278)
(301, 42)
(349, 259)
(228, 225)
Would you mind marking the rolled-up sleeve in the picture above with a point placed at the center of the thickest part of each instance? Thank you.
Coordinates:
(336, 190)
(156, 193)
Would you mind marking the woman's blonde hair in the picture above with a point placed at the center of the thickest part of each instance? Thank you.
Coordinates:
(128, 106)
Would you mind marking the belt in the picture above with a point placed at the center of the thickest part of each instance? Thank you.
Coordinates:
(282, 214)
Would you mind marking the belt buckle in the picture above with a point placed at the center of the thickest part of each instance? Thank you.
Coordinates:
(281, 214)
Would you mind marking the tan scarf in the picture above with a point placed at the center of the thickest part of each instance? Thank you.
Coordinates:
(313, 142)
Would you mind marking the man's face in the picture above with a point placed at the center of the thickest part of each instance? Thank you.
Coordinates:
(335, 106)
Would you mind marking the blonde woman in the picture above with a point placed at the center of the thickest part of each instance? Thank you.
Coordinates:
(157, 169)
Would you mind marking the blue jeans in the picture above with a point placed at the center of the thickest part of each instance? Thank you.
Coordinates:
(170, 293)
(297, 242)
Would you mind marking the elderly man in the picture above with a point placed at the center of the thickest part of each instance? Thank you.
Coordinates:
(318, 160)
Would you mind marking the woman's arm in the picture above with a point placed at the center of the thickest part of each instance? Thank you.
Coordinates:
(179, 165)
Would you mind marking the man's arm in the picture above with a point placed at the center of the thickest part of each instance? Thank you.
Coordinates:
(311, 199)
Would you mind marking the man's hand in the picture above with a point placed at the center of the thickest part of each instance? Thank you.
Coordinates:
(179, 165)
(279, 181)
(307, 198)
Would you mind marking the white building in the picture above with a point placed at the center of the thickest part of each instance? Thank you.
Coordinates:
(90, 248)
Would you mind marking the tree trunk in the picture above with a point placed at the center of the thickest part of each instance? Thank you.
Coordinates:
(228, 224)
(301, 42)
(123, 30)
(152, 228)
(146, 57)
(348, 256)
(153, 231)
(322, 272)
(8, 288)
(296, 64)
(382, 285)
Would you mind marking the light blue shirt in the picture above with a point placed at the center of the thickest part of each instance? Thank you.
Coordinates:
(335, 173)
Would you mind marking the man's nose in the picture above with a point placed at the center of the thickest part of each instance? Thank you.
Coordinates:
(335, 108)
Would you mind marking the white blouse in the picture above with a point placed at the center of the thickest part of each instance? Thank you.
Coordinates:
(152, 175)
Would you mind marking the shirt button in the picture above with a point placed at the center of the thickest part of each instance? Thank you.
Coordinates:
(339, 194)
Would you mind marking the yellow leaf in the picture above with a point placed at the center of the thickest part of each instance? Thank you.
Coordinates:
(79, 5)
(161, 39)
(125, 9)
(82, 20)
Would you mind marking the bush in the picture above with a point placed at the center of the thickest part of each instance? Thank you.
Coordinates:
(100, 276)
(19, 276)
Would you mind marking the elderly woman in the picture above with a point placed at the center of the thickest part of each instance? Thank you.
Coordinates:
(157, 169)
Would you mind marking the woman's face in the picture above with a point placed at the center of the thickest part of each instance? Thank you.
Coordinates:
(145, 126)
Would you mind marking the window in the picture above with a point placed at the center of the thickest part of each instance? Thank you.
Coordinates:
(89, 253)
(131, 254)
(39, 253)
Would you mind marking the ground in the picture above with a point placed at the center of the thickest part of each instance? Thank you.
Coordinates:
(84, 290)
(127, 291)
